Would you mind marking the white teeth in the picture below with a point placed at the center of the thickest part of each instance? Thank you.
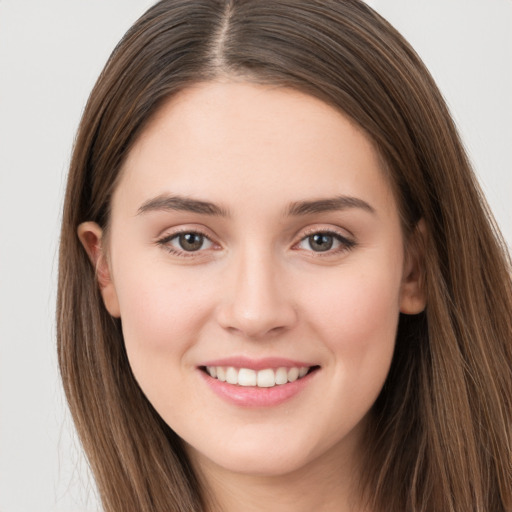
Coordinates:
(221, 373)
(281, 376)
(293, 374)
(231, 376)
(266, 378)
(246, 377)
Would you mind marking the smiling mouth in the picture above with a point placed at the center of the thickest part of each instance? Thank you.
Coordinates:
(266, 378)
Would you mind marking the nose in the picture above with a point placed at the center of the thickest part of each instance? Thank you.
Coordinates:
(256, 303)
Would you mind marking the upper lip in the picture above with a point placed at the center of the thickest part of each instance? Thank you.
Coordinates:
(258, 364)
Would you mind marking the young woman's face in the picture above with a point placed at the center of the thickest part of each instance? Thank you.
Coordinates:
(254, 237)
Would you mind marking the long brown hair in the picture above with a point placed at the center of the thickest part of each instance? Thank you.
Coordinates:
(440, 436)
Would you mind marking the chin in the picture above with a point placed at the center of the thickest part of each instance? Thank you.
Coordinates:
(260, 463)
(266, 456)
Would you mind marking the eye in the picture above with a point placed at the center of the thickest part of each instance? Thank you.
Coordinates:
(191, 241)
(325, 241)
(186, 242)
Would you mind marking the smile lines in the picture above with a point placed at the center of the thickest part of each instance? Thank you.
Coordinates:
(266, 378)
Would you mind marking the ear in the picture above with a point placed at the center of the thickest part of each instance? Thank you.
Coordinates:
(412, 293)
(91, 236)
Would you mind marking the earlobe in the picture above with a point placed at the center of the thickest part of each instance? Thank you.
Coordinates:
(91, 237)
(413, 293)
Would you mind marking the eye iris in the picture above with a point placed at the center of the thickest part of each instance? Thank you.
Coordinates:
(321, 242)
(191, 241)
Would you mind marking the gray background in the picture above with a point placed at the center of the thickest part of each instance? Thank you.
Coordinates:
(50, 55)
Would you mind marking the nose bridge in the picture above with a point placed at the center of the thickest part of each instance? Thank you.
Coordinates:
(256, 303)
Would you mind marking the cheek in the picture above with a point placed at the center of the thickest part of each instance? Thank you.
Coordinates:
(356, 318)
(356, 305)
(161, 315)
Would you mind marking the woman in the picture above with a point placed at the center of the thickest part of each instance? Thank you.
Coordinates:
(281, 273)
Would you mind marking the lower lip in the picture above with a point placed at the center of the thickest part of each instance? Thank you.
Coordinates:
(252, 396)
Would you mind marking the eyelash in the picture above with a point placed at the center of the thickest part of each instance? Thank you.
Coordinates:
(164, 243)
(345, 244)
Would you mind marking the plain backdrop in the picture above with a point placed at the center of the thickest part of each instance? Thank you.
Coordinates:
(50, 55)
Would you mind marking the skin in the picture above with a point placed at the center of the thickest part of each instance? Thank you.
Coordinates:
(257, 287)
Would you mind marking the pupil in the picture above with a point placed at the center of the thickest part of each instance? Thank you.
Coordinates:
(321, 242)
(191, 241)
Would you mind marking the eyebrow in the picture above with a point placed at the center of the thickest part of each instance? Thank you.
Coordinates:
(329, 204)
(181, 203)
(298, 208)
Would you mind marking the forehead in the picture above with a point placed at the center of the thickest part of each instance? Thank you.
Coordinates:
(229, 140)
